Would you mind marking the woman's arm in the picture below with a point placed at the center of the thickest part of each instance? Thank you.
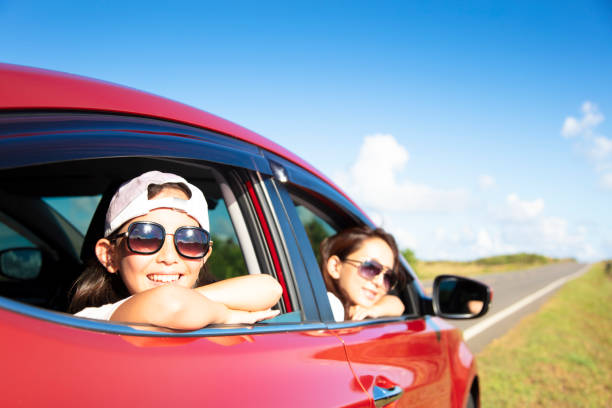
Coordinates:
(388, 305)
(181, 308)
(247, 292)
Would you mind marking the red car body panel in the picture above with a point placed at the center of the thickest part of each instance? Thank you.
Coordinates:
(412, 355)
(305, 369)
(463, 366)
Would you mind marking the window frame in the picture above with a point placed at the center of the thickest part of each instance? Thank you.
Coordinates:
(63, 134)
(306, 187)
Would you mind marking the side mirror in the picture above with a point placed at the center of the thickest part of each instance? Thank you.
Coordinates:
(456, 297)
(21, 263)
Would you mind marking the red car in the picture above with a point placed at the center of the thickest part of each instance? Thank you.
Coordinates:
(67, 142)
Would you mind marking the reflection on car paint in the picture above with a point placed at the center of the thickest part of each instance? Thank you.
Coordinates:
(142, 341)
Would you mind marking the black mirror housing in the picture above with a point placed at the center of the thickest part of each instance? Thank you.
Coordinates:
(457, 297)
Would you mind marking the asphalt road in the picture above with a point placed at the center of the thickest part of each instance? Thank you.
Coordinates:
(515, 295)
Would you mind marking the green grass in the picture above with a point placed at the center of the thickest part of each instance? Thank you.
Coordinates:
(559, 357)
(501, 263)
(521, 257)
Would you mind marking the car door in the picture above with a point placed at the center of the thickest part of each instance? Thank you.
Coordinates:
(51, 358)
(405, 357)
(400, 358)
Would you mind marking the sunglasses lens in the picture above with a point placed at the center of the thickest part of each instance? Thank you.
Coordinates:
(370, 269)
(148, 238)
(191, 242)
(389, 280)
(145, 238)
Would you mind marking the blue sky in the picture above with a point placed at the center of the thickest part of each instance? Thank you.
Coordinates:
(466, 130)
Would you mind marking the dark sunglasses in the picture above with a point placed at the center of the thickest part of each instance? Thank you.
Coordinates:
(145, 237)
(370, 269)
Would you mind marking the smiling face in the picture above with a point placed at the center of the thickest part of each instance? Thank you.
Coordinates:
(142, 272)
(355, 288)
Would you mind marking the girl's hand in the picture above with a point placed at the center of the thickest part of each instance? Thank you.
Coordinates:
(388, 305)
(241, 316)
(357, 312)
(246, 292)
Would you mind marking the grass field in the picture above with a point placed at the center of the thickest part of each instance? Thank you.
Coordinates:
(559, 357)
(429, 269)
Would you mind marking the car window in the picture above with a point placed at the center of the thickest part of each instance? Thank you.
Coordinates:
(322, 219)
(227, 260)
(316, 228)
(9, 238)
(74, 214)
(59, 224)
(60, 197)
(24, 262)
(77, 210)
(16, 260)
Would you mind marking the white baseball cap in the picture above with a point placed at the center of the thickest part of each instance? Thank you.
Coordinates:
(131, 200)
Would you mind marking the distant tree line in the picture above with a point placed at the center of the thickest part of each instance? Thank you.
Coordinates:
(520, 258)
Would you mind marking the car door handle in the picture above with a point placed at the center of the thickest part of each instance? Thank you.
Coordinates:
(384, 396)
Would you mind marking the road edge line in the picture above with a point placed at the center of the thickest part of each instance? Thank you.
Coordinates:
(490, 321)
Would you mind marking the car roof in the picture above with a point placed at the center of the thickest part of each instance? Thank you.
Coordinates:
(28, 88)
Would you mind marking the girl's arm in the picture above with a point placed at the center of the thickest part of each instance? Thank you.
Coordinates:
(247, 292)
(181, 308)
(388, 305)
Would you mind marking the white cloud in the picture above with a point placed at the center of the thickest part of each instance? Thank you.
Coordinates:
(404, 238)
(484, 240)
(591, 117)
(457, 231)
(552, 228)
(519, 226)
(486, 182)
(490, 241)
(571, 127)
(467, 243)
(551, 236)
(602, 147)
(461, 236)
(522, 210)
(375, 182)
(606, 181)
(596, 147)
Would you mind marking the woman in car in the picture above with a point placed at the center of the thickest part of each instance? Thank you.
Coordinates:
(359, 267)
(150, 263)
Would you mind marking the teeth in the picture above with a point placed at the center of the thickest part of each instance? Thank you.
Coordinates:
(164, 278)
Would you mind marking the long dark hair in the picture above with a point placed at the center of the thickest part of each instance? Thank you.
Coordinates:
(96, 286)
(345, 243)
